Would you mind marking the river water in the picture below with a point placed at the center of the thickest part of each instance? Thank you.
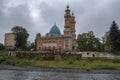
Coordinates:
(42, 75)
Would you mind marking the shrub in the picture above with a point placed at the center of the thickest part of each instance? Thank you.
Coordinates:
(105, 67)
(68, 58)
(116, 60)
(57, 57)
(3, 53)
(38, 58)
(2, 59)
(49, 58)
(70, 62)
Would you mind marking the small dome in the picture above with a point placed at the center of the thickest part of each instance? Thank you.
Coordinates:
(54, 32)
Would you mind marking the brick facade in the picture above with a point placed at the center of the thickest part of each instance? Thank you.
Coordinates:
(65, 42)
(9, 41)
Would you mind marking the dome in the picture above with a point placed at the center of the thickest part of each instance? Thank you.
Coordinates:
(54, 32)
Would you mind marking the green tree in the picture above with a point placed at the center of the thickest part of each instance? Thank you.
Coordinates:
(115, 37)
(2, 46)
(21, 36)
(107, 42)
(88, 42)
(31, 47)
(82, 42)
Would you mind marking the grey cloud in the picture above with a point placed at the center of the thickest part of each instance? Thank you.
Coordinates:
(99, 17)
(52, 13)
(95, 15)
(14, 15)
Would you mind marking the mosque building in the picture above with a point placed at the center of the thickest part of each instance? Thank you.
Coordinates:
(54, 40)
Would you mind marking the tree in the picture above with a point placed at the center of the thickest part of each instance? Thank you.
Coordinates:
(115, 37)
(21, 36)
(31, 47)
(2, 46)
(88, 42)
(107, 42)
(82, 42)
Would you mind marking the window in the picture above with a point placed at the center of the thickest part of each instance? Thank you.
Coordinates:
(88, 53)
(93, 55)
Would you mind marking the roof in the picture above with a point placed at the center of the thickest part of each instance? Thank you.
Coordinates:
(54, 32)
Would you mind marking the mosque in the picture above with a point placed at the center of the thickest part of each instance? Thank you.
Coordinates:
(54, 40)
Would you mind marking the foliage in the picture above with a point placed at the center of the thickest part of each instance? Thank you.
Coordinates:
(2, 46)
(3, 53)
(31, 47)
(107, 41)
(21, 36)
(88, 42)
(115, 37)
(38, 58)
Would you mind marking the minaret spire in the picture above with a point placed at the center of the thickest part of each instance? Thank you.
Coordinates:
(67, 6)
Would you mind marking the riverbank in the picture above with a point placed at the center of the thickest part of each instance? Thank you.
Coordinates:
(83, 64)
(29, 68)
(68, 62)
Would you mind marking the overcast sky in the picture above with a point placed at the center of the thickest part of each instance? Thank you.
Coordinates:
(38, 16)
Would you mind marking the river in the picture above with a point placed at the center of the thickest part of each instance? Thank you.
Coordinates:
(49, 75)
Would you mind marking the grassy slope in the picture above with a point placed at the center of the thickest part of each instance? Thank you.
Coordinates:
(64, 63)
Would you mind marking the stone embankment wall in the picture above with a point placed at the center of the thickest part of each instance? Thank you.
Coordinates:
(95, 54)
(22, 54)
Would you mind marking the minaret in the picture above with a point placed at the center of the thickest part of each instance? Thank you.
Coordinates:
(67, 16)
(69, 28)
(69, 23)
(73, 25)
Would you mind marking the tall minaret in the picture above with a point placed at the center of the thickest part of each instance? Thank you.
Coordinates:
(69, 28)
(67, 16)
(73, 25)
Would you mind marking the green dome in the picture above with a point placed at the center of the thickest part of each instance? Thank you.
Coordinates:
(54, 32)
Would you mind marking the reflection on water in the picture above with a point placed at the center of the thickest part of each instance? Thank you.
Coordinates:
(38, 75)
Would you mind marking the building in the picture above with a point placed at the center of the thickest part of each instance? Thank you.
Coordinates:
(9, 41)
(54, 40)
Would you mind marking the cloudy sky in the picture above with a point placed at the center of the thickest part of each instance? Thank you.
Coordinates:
(40, 15)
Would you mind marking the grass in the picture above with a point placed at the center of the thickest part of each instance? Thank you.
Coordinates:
(3, 53)
(67, 62)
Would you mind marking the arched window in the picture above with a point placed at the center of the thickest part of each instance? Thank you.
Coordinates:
(93, 55)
